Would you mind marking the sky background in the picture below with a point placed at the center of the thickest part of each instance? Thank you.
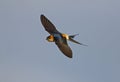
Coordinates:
(25, 55)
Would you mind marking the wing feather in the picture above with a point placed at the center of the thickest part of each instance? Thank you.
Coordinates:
(49, 27)
(64, 48)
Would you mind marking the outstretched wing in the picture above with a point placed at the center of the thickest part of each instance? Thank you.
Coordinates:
(49, 27)
(64, 48)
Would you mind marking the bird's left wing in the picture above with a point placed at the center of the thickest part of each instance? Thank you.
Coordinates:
(49, 27)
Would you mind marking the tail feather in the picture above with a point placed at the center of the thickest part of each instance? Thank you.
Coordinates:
(76, 42)
(72, 36)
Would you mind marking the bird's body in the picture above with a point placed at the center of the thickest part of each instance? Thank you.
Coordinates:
(51, 37)
(59, 38)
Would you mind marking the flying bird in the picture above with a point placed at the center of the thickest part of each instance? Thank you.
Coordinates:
(59, 38)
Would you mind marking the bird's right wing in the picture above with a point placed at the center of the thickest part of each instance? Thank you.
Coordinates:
(64, 48)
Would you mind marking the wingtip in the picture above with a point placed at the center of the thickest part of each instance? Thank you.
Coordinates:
(42, 15)
(69, 54)
(70, 57)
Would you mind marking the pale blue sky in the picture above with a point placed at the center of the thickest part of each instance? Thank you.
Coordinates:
(25, 55)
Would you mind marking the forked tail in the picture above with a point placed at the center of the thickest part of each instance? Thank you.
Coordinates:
(72, 40)
(72, 36)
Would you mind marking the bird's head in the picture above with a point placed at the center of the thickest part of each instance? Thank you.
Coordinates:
(50, 38)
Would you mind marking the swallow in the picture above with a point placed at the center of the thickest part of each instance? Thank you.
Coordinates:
(59, 38)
